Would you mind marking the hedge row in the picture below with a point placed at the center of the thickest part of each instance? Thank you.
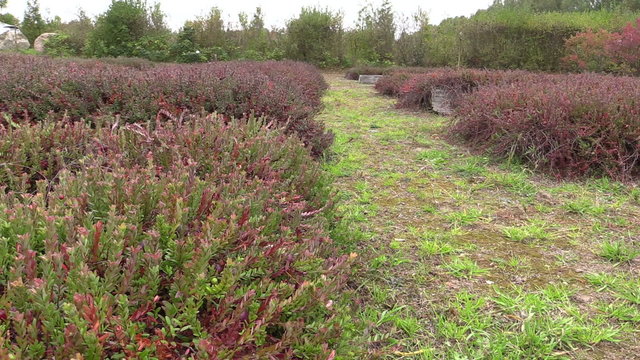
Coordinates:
(569, 125)
(355, 72)
(197, 238)
(415, 91)
(288, 93)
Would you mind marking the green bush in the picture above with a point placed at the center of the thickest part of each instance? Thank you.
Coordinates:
(315, 36)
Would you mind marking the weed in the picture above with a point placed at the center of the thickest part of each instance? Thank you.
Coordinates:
(379, 261)
(584, 206)
(464, 217)
(622, 287)
(410, 325)
(436, 247)
(533, 231)
(435, 157)
(620, 310)
(464, 267)
(618, 251)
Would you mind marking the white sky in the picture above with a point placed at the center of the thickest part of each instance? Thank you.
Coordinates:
(276, 12)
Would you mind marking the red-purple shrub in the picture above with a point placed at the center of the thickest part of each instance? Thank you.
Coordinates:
(588, 51)
(416, 92)
(570, 125)
(289, 93)
(354, 73)
(199, 238)
(626, 49)
(603, 51)
(389, 85)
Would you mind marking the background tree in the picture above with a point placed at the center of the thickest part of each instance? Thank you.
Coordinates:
(7, 18)
(185, 49)
(74, 34)
(33, 24)
(373, 39)
(119, 28)
(209, 31)
(411, 46)
(567, 5)
(315, 36)
(252, 40)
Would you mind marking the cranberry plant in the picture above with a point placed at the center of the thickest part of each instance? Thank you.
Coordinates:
(288, 93)
(198, 237)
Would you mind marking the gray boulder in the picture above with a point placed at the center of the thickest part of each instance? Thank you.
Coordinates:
(11, 38)
(441, 100)
(38, 45)
(369, 79)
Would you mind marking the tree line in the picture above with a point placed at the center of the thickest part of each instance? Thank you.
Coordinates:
(529, 34)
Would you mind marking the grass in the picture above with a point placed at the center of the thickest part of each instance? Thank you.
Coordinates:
(530, 232)
(442, 236)
(618, 251)
(464, 217)
(464, 267)
(585, 206)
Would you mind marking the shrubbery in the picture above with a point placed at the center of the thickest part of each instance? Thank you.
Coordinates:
(416, 91)
(355, 72)
(604, 51)
(390, 85)
(288, 93)
(568, 124)
(194, 237)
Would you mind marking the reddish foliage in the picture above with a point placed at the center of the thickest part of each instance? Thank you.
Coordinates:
(390, 85)
(603, 51)
(198, 237)
(415, 92)
(571, 125)
(626, 49)
(589, 51)
(32, 88)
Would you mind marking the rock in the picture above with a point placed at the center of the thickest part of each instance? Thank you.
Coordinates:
(38, 45)
(441, 101)
(11, 38)
(369, 79)
(584, 299)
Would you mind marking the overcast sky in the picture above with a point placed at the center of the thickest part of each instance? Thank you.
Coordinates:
(276, 12)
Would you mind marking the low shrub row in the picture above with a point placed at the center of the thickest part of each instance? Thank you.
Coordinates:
(288, 93)
(416, 91)
(569, 125)
(355, 72)
(196, 237)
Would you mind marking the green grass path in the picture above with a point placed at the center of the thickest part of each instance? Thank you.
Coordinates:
(464, 257)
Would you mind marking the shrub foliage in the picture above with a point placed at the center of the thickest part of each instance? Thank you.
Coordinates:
(289, 93)
(192, 237)
(604, 51)
(415, 92)
(571, 125)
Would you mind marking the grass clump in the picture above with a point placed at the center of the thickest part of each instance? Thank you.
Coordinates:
(464, 268)
(618, 251)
